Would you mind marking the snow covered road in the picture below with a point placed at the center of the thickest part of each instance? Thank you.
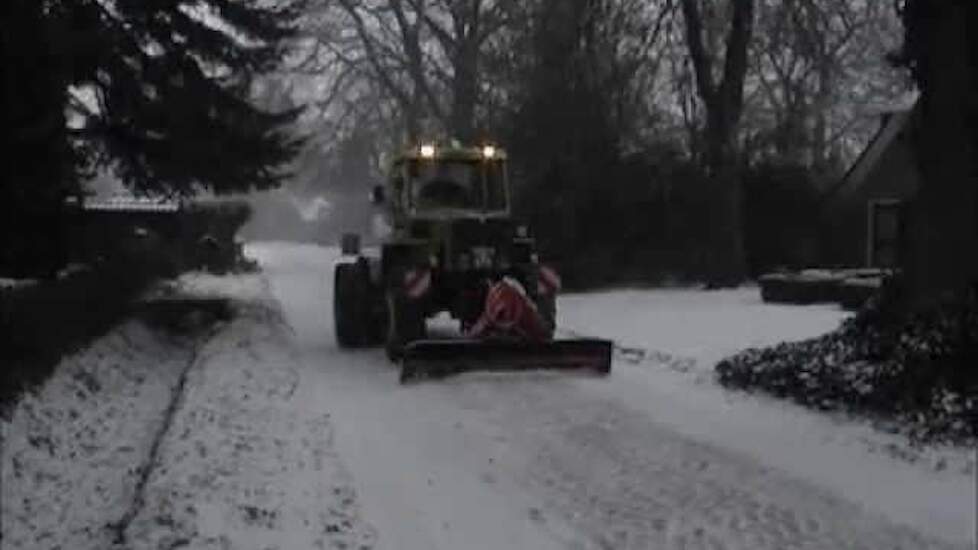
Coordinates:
(265, 435)
(554, 461)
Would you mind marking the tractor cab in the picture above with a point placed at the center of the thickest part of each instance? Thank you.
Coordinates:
(437, 182)
(454, 248)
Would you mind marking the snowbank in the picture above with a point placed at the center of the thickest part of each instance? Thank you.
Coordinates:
(6, 284)
(148, 441)
(242, 466)
(73, 450)
(242, 289)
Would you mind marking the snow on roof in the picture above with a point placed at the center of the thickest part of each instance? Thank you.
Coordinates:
(131, 204)
(13, 284)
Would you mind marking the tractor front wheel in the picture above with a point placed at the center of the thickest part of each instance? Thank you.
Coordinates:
(351, 314)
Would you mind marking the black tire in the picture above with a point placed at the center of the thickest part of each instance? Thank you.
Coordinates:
(405, 324)
(351, 312)
(377, 322)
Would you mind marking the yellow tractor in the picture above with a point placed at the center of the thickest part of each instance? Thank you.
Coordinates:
(454, 247)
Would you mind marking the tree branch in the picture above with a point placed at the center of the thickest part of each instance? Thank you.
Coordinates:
(735, 66)
(702, 64)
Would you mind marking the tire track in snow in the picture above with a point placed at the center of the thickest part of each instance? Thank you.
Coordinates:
(71, 463)
(626, 483)
(638, 355)
(152, 460)
(243, 464)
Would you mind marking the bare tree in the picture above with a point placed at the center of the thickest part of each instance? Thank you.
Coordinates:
(391, 55)
(723, 98)
(462, 29)
(425, 55)
(818, 67)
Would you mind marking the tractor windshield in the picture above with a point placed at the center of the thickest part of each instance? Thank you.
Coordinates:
(457, 185)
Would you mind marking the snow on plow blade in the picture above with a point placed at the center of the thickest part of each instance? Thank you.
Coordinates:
(440, 358)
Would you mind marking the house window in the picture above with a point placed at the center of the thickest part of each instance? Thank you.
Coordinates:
(883, 244)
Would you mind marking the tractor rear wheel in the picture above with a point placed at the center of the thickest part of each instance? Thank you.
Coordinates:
(405, 324)
(351, 313)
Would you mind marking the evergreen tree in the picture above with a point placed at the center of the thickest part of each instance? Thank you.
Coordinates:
(33, 90)
(160, 88)
(39, 163)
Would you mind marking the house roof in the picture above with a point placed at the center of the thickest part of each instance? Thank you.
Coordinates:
(894, 123)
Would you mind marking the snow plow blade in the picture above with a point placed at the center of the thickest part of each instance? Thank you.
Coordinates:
(441, 358)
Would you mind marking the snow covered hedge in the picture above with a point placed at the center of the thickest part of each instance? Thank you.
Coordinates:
(918, 369)
(39, 323)
(209, 239)
(851, 288)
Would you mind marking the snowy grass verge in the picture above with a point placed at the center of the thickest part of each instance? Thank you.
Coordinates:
(41, 323)
(178, 437)
(74, 449)
(245, 463)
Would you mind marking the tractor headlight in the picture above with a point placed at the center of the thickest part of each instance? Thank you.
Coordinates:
(428, 151)
(489, 151)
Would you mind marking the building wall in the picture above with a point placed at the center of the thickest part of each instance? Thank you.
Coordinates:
(845, 215)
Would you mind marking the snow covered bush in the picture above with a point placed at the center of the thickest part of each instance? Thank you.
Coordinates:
(851, 288)
(807, 287)
(209, 238)
(919, 369)
(41, 323)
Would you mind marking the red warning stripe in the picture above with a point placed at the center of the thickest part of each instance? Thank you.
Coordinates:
(417, 282)
(549, 281)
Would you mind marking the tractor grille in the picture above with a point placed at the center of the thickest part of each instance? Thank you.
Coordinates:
(420, 230)
(478, 245)
(469, 233)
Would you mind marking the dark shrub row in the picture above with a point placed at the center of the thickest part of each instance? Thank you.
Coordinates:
(645, 218)
(42, 322)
